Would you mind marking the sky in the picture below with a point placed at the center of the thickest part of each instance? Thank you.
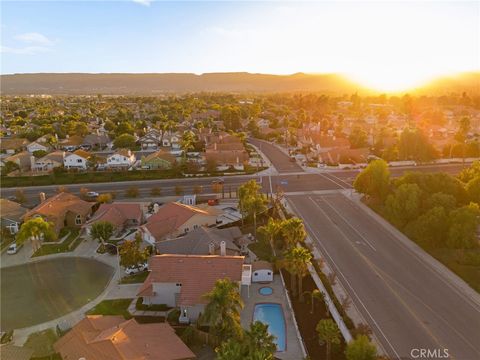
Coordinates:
(382, 44)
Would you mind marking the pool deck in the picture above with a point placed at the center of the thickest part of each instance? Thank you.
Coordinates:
(294, 348)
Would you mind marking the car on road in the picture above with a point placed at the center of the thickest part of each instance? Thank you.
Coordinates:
(218, 181)
(92, 194)
(13, 249)
(136, 269)
(12, 198)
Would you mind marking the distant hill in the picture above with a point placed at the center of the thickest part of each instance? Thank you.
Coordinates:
(156, 84)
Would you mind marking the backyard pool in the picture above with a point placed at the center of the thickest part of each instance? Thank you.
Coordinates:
(272, 315)
(37, 292)
(266, 290)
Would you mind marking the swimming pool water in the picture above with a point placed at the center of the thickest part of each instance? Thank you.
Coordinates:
(272, 315)
(266, 290)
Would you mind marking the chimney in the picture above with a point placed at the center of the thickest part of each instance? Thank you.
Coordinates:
(215, 146)
(155, 208)
(42, 197)
(223, 248)
(211, 248)
(32, 162)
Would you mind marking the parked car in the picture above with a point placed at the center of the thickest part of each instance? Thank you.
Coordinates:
(13, 249)
(218, 181)
(136, 269)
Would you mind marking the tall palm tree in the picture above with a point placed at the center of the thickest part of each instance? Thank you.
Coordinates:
(271, 229)
(294, 232)
(315, 294)
(245, 191)
(33, 230)
(187, 142)
(328, 333)
(254, 205)
(297, 260)
(223, 309)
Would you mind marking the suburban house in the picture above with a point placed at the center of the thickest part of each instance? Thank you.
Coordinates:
(76, 160)
(182, 280)
(227, 154)
(71, 141)
(11, 214)
(36, 146)
(174, 219)
(151, 140)
(158, 160)
(96, 140)
(98, 337)
(23, 159)
(63, 209)
(49, 162)
(121, 215)
(13, 145)
(203, 241)
(345, 156)
(262, 271)
(122, 158)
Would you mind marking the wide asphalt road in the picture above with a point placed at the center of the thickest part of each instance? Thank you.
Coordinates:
(407, 303)
(279, 159)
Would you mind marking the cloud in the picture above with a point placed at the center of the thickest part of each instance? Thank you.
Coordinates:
(143, 2)
(34, 38)
(27, 50)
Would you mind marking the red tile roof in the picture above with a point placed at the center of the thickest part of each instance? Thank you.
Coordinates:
(196, 273)
(118, 213)
(113, 337)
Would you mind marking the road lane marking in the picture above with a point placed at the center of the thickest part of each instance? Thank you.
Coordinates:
(346, 222)
(331, 180)
(338, 271)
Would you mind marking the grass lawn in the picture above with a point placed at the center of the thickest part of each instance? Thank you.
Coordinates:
(42, 343)
(112, 307)
(69, 244)
(135, 278)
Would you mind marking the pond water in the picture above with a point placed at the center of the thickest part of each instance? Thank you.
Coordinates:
(37, 292)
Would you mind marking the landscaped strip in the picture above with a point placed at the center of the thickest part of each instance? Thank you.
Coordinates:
(69, 244)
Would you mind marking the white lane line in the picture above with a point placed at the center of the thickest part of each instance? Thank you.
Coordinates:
(338, 271)
(341, 180)
(416, 256)
(331, 180)
(349, 225)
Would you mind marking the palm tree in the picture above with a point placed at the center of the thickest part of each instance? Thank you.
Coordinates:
(271, 229)
(297, 260)
(230, 350)
(187, 142)
(35, 229)
(255, 204)
(294, 231)
(102, 231)
(223, 309)
(315, 294)
(245, 191)
(328, 333)
(258, 339)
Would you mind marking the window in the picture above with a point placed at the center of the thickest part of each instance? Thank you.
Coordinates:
(187, 229)
(269, 273)
(78, 220)
(79, 161)
(256, 274)
(195, 226)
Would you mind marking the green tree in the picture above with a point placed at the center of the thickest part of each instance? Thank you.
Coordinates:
(430, 228)
(231, 349)
(329, 334)
(102, 231)
(248, 190)
(258, 342)
(448, 202)
(132, 192)
(126, 141)
(463, 225)
(473, 189)
(414, 145)
(130, 252)
(471, 172)
(293, 231)
(404, 204)
(39, 153)
(254, 205)
(296, 261)
(358, 138)
(222, 311)
(104, 198)
(374, 180)
(34, 230)
(271, 230)
(361, 349)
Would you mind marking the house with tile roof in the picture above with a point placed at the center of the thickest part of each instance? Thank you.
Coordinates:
(121, 158)
(37, 146)
(182, 280)
(174, 219)
(11, 214)
(62, 209)
(23, 159)
(203, 241)
(121, 215)
(13, 145)
(76, 160)
(49, 162)
(98, 337)
(158, 160)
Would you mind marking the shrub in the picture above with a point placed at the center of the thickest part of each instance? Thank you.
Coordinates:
(132, 192)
